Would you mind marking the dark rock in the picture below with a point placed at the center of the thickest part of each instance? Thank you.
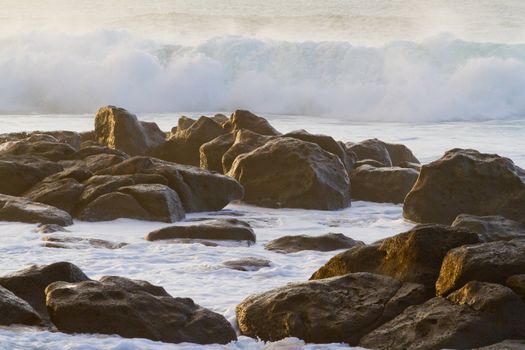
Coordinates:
(400, 154)
(29, 284)
(465, 182)
(50, 228)
(241, 119)
(291, 173)
(220, 229)
(112, 206)
(78, 173)
(133, 309)
(247, 264)
(517, 283)
(371, 149)
(245, 142)
(220, 119)
(385, 185)
(478, 314)
(324, 243)
(19, 174)
(34, 145)
(62, 194)
(486, 262)
(415, 166)
(23, 210)
(491, 228)
(14, 310)
(369, 162)
(505, 345)
(211, 152)
(412, 256)
(97, 149)
(68, 242)
(98, 162)
(341, 309)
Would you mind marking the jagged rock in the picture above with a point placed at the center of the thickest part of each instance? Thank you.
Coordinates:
(29, 284)
(211, 152)
(19, 174)
(287, 172)
(184, 123)
(466, 182)
(98, 162)
(341, 309)
(14, 310)
(400, 154)
(387, 184)
(412, 256)
(369, 162)
(324, 243)
(247, 264)
(112, 206)
(371, 149)
(241, 119)
(44, 146)
(133, 309)
(487, 262)
(245, 142)
(23, 210)
(78, 173)
(220, 229)
(491, 228)
(476, 315)
(517, 283)
(62, 194)
(505, 345)
(119, 129)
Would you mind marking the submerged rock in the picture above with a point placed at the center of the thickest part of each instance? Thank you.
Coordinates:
(133, 309)
(247, 264)
(324, 243)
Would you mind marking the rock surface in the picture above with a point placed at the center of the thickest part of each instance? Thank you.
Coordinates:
(247, 264)
(241, 119)
(211, 152)
(371, 149)
(19, 174)
(62, 194)
(23, 210)
(324, 243)
(14, 310)
(491, 228)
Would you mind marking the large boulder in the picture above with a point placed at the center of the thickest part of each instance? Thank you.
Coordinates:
(385, 184)
(400, 155)
(478, 314)
(44, 146)
(491, 228)
(29, 284)
(488, 262)
(19, 174)
(465, 182)
(287, 172)
(371, 149)
(211, 152)
(220, 229)
(133, 309)
(183, 147)
(23, 210)
(413, 256)
(62, 194)
(119, 129)
(341, 309)
(324, 243)
(14, 310)
(245, 142)
(241, 119)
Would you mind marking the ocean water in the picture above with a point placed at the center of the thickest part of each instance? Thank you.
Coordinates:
(433, 75)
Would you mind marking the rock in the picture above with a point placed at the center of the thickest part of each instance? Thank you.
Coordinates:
(370, 162)
(413, 256)
(49, 228)
(247, 264)
(478, 314)
(486, 262)
(22, 210)
(220, 229)
(491, 228)
(98, 162)
(29, 284)
(119, 129)
(465, 182)
(19, 174)
(62, 194)
(324, 243)
(335, 310)
(220, 119)
(505, 345)
(68, 242)
(241, 119)
(211, 152)
(95, 150)
(87, 136)
(415, 166)
(517, 284)
(325, 142)
(384, 185)
(371, 149)
(50, 149)
(400, 154)
(14, 310)
(112, 206)
(245, 142)
(133, 309)
(99, 185)
(78, 173)
(290, 173)
(183, 147)
(185, 122)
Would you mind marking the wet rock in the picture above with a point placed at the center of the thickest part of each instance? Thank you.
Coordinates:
(369, 162)
(23, 210)
(62, 194)
(371, 149)
(14, 310)
(49, 228)
(487, 262)
(400, 154)
(183, 147)
(119, 129)
(247, 264)
(29, 284)
(241, 119)
(133, 309)
(384, 185)
(44, 146)
(491, 228)
(465, 182)
(245, 142)
(341, 309)
(478, 314)
(413, 256)
(291, 173)
(211, 152)
(324, 243)
(68, 242)
(19, 174)
(505, 345)
(220, 229)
